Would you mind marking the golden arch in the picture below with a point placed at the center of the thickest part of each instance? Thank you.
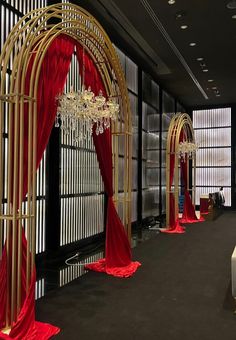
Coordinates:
(36, 30)
(180, 124)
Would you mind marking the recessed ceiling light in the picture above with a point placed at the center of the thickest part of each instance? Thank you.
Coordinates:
(234, 16)
(205, 70)
(192, 44)
(210, 80)
(183, 27)
(200, 59)
(214, 88)
(180, 15)
(218, 95)
(171, 2)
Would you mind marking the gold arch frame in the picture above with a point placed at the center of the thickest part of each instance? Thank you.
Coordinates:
(37, 30)
(181, 122)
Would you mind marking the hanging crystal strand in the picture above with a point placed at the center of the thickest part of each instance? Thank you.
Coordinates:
(108, 122)
(76, 133)
(66, 128)
(97, 128)
(80, 129)
(87, 129)
(91, 127)
(101, 127)
(57, 120)
(63, 123)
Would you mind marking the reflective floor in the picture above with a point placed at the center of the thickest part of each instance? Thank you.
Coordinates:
(56, 275)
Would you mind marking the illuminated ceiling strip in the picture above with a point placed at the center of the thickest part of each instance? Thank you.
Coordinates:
(160, 27)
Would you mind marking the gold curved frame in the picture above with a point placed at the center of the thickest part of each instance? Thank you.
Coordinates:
(33, 34)
(181, 122)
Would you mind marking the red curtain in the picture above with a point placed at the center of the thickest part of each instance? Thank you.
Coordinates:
(118, 253)
(3, 288)
(52, 79)
(189, 214)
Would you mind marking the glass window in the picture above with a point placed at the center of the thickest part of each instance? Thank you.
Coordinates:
(213, 159)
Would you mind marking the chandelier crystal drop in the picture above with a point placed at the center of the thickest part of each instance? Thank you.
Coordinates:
(187, 148)
(79, 111)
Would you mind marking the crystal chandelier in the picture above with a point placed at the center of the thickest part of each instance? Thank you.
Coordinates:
(79, 111)
(186, 148)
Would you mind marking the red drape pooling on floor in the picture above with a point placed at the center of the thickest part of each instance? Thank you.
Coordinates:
(52, 79)
(189, 214)
(117, 261)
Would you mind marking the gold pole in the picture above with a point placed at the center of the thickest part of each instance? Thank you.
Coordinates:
(14, 222)
(9, 208)
(33, 240)
(21, 158)
(1, 175)
(29, 195)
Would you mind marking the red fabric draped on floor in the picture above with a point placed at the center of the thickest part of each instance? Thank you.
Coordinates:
(117, 260)
(52, 79)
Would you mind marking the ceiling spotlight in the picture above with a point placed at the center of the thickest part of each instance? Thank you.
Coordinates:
(200, 59)
(234, 16)
(180, 15)
(210, 80)
(218, 95)
(231, 4)
(183, 27)
(205, 70)
(171, 2)
(192, 44)
(214, 88)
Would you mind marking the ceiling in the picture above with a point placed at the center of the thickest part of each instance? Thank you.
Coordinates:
(149, 31)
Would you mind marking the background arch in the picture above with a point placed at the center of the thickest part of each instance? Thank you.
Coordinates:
(180, 129)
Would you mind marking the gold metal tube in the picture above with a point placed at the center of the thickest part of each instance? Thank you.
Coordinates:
(14, 222)
(33, 233)
(29, 195)
(9, 208)
(21, 158)
(1, 174)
